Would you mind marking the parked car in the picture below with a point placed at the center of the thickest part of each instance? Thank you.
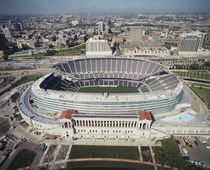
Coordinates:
(196, 143)
(24, 139)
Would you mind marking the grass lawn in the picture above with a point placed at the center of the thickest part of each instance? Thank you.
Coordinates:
(14, 97)
(110, 164)
(98, 89)
(18, 116)
(163, 168)
(168, 154)
(78, 50)
(83, 151)
(194, 74)
(203, 92)
(6, 81)
(23, 159)
(25, 79)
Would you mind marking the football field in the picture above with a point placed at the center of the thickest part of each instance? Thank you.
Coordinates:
(85, 151)
(99, 89)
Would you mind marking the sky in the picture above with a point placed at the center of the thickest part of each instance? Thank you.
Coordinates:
(51, 7)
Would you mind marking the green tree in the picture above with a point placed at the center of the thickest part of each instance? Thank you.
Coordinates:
(194, 66)
(14, 97)
(50, 52)
(5, 57)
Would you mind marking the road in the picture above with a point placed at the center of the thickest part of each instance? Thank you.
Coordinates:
(18, 74)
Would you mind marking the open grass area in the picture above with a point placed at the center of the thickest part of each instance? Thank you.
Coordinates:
(78, 50)
(203, 91)
(98, 89)
(18, 116)
(168, 154)
(194, 74)
(23, 159)
(85, 151)
(6, 81)
(25, 79)
(110, 164)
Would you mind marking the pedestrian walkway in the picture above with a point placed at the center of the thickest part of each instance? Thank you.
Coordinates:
(119, 160)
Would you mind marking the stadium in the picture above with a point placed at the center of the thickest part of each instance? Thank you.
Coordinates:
(158, 91)
(105, 97)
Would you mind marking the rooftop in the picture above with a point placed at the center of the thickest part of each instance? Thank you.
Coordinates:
(66, 114)
(144, 115)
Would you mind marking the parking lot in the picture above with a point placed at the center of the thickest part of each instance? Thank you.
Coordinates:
(196, 149)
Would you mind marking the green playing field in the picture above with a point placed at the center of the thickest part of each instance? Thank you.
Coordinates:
(98, 89)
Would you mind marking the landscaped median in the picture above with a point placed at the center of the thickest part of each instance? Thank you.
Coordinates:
(203, 91)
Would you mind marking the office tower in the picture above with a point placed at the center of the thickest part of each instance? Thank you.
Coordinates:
(17, 26)
(7, 32)
(3, 42)
(101, 27)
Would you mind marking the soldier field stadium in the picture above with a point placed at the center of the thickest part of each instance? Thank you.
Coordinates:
(113, 98)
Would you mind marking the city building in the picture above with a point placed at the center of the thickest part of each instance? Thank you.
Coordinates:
(7, 32)
(3, 42)
(101, 27)
(136, 34)
(191, 42)
(146, 51)
(74, 23)
(17, 26)
(97, 48)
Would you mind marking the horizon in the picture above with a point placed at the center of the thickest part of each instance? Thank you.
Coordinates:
(66, 7)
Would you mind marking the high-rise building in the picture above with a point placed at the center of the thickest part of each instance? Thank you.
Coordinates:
(17, 26)
(7, 32)
(191, 41)
(101, 27)
(97, 48)
(3, 42)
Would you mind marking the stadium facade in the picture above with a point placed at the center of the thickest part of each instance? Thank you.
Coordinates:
(54, 106)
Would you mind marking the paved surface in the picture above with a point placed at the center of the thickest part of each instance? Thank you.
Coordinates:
(25, 145)
(56, 156)
(118, 160)
(199, 152)
(4, 126)
(62, 152)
